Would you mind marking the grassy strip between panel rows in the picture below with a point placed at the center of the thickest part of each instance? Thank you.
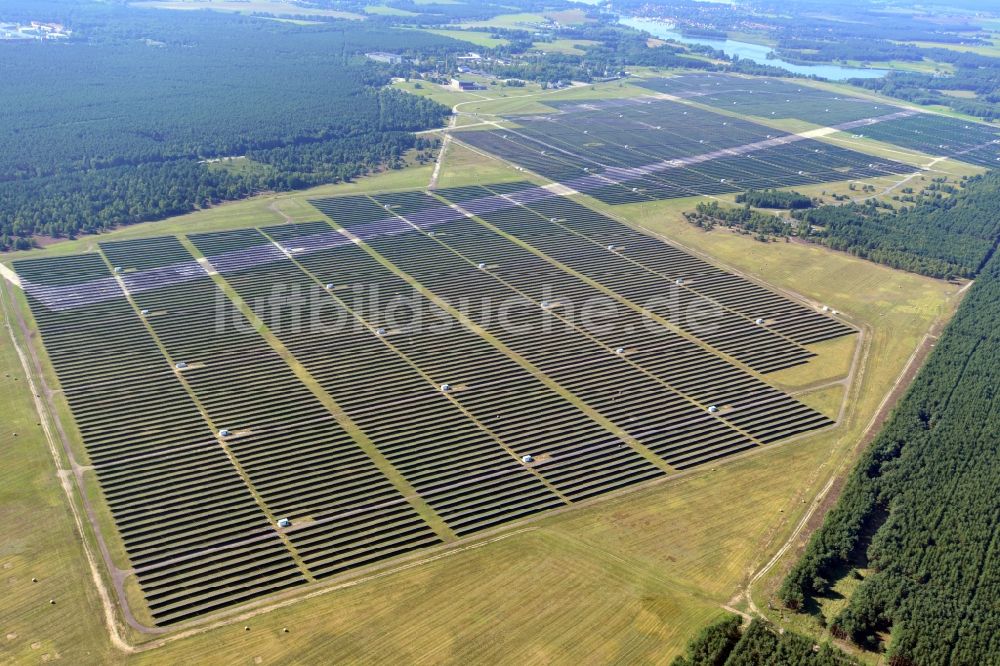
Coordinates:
(519, 359)
(369, 448)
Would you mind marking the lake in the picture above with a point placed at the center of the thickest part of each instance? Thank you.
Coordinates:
(755, 52)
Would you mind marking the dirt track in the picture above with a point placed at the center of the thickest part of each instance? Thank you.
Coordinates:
(827, 497)
(44, 405)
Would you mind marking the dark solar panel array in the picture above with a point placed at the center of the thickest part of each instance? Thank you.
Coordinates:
(771, 98)
(730, 332)
(303, 464)
(389, 381)
(930, 133)
(643, 267)
(659, 149)
(195, 536)
(755, 407)
(637, 373)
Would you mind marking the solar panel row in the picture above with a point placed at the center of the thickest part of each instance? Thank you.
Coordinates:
(303, 464)
(196, 538)
(930, 133)
(661, 149)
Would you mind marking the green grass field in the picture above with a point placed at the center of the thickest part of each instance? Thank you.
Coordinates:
(991, 50)
(385, 10)
(627, 578)
(519, 20)
(567, 46)
(960, 94)
(925, 66)
(477, 37)
(439, 93)
(463, 166)
(523, 101)
(496, 100)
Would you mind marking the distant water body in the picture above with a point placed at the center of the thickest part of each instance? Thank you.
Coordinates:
(754, 52)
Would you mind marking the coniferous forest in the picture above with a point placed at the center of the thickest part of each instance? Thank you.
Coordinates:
(941, 236)
(919, 514)
(772, 198)
(121, 127)
(726, 644)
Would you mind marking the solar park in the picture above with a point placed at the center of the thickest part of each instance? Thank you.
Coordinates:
(273, 406)
(230, 476)
(661, 147)
(771, 98)
(650, 149)
(933, 134)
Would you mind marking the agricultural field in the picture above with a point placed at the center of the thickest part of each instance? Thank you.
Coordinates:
(992, 49)
(386, 10)
(462, 166)
(526, 20)
(567, 46)
(522, 20)
(477, 37)
(496, 101)
(507, 433)
(470, 101)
